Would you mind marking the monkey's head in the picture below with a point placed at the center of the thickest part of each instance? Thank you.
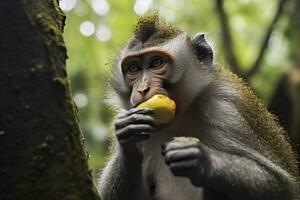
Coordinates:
(161, 59)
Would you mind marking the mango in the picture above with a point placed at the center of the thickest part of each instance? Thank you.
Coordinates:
(163, 106)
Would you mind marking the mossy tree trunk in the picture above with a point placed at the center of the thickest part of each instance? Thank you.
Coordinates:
(42, 153)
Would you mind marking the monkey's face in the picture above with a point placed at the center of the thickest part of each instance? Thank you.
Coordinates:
(146, 74)
(178, 68)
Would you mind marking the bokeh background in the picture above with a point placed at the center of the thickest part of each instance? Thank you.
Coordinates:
(97, 29)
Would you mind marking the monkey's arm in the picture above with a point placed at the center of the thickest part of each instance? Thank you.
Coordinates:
(250, 176)
(122, 178)
(235, 155)
(245, 176)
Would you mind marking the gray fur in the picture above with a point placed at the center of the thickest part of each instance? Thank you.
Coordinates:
(231, 165)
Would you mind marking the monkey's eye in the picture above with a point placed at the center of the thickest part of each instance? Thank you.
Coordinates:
(157, 62)
(133, 68)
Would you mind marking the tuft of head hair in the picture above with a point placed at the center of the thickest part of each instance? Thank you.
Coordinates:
(150, 26)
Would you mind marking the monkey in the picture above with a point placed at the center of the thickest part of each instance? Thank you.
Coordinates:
(223, 144)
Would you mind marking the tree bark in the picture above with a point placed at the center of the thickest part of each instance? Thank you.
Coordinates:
(42, 154)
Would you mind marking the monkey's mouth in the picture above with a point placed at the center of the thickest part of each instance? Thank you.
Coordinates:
(146, 98)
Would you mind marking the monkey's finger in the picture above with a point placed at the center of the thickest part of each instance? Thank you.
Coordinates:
(181, 142)
(183, 155)
(184, 168)
(145, 111)
(170, 146)
(135, 138)
(134, 129)
(135, 119)
(185, 139)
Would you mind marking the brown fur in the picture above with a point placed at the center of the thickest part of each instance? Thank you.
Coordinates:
(271, 138)
(150, 30)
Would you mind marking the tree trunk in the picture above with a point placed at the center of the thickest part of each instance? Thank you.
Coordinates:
(42, 153)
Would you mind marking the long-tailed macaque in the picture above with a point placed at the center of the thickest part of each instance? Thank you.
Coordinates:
(222, 143)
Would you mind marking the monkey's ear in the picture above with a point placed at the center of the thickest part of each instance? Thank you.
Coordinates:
(203, 50)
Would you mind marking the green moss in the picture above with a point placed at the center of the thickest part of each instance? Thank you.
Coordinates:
(63, 82)
(150, 23)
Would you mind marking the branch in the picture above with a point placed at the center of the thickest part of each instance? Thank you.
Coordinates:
(227, 39)
(265, 41)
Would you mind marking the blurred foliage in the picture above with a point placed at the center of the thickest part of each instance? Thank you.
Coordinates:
(97, 29)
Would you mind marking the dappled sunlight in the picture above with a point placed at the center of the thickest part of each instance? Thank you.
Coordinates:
(67, 5)
(101, 7)
(87, 28)
(80, 100)
(142, 6)
(103, 33)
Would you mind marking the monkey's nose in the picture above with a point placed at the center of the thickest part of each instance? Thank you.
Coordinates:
(143, 91)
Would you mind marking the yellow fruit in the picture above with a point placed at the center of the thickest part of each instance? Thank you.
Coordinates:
(163, 106)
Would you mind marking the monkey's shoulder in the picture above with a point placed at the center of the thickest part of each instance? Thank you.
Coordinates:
(270, 137)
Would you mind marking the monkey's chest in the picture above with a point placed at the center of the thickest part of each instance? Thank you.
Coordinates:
(162, 184)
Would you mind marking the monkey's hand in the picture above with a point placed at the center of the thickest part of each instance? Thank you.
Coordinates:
(187, 157)
(134, 126)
